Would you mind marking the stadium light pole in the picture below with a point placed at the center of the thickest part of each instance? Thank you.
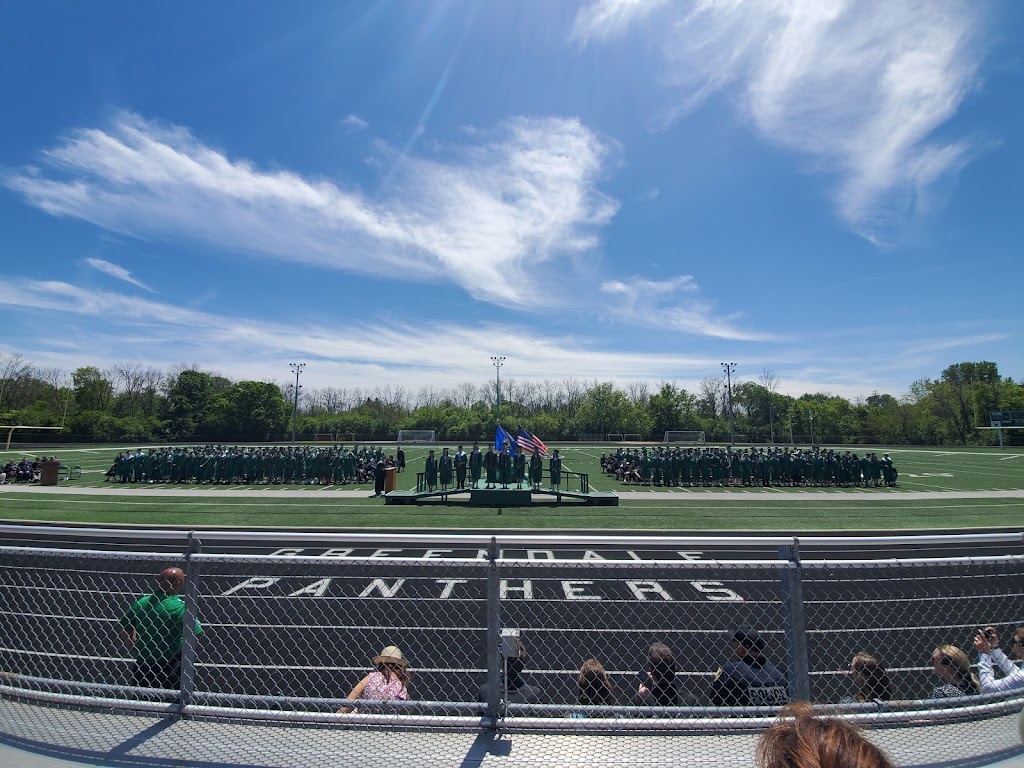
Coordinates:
(810, 415)
(729, 369)
(296, 369)
(497, 361)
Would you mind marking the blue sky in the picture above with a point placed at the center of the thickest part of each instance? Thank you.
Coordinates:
(392, 192)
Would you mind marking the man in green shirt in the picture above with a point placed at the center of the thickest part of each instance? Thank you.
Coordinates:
(152, 628)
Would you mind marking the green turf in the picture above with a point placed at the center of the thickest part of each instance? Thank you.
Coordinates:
(699, 509)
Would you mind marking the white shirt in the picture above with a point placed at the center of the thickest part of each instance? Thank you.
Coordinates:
(1013, 676)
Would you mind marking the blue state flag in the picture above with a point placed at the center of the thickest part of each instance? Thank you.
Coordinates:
(501, 437)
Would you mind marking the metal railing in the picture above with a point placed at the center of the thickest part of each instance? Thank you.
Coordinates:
(495, 629)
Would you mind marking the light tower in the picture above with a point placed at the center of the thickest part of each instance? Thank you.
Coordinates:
(729, 369)
(296, 369)
(498, 361)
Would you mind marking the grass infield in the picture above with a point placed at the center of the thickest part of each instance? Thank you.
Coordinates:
(931, 494)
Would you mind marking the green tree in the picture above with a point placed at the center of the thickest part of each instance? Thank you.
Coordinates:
(256, 410)
(93, 389)
(606, 409)
(671, 408)
(189, 404)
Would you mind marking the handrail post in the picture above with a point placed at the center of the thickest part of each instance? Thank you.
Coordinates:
(193, 580)
(795, 622)
(493, 633)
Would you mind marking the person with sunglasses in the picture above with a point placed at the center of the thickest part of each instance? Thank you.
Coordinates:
(388, 682)
(952, 666)
(986, 643)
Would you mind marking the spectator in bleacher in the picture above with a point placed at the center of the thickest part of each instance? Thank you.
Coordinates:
(986, 642)
(514, 658)
(952, 666)
(751, 680)
(801, 740)
(593, 687)
(389, 681)
(659, 683)
(870, 678)
(152, 628)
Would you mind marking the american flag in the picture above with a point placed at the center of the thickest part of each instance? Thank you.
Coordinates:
(530, 442)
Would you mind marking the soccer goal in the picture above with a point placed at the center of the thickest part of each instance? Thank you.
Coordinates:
(417, 436)
(345, 437)
(694, 437)
(324, 437)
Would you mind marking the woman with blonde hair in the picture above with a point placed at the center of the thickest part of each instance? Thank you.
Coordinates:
(801, 740)
(952, 666)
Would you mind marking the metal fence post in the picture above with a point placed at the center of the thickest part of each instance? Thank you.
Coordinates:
(493, 632)
(795, 622)
(193, 580)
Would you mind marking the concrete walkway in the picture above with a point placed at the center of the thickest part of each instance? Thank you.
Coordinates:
(33, 736)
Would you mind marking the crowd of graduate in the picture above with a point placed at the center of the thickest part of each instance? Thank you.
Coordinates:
(217, 464)
(717, 466)
(496, 468)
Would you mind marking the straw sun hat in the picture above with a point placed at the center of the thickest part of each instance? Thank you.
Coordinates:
(392, 654)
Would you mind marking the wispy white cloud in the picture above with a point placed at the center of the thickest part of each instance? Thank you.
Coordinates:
(608, 17)
(674, 305)
(382, 352)
(524, 195)
(161, 334)
(117, 272)
(354, 123)
(859, 86)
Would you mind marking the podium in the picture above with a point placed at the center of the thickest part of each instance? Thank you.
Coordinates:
(390, 479)
(48, 472)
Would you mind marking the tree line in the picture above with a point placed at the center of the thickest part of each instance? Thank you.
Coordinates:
(132, 402)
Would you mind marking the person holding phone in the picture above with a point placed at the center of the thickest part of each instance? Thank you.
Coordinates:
(986, 643)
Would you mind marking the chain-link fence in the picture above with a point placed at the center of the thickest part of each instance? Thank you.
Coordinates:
(541, 643)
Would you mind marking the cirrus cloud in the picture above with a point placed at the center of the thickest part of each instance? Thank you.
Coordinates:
(523, 195)
(862, 87)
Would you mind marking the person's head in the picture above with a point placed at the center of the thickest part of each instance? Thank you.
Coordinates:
(661, 662)
(171, 580)
(952, 665)
(870, 678)
(748, 642)
(1017, 643)
(392, 664)
(594, 685)
(801, 740)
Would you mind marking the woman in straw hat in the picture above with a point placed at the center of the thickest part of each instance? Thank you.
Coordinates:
(388, 682)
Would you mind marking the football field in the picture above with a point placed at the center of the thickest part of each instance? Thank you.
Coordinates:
(937, 488)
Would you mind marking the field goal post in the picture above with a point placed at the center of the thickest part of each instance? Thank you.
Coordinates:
(693, 437)
(1008, 420)
(417, 436)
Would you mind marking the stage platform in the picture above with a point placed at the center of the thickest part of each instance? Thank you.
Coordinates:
(503, 497)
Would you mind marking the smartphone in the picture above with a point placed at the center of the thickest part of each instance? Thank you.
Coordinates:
(990, 634)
